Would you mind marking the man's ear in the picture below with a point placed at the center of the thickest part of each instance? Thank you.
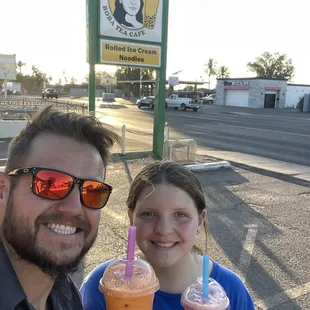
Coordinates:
(4, 187)
(129, 212)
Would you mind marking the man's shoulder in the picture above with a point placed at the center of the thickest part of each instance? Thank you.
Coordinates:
(66, 295)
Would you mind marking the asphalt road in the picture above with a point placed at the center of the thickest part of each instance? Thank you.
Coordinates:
(277, 134)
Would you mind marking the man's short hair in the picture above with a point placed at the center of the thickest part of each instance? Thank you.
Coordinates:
(82, 128)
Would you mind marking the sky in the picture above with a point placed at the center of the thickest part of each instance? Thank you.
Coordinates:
(51, 35)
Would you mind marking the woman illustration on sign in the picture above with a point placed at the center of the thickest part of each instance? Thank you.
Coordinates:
(129, 13)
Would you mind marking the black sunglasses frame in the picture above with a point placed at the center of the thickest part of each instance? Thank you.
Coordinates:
(35, 170)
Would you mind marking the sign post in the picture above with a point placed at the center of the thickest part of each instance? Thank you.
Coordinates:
(132, 34)
(92, 50)
(160, 98)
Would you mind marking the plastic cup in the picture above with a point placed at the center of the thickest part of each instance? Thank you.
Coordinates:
(136, 292)
(192, 298)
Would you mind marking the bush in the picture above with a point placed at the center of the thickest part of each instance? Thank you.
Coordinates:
(300, 103)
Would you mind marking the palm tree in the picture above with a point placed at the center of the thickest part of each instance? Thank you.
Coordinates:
(223, 72)
(73, 80)
(211, 69)
(19, 65)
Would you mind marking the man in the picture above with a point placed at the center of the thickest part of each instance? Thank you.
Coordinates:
(51, 193)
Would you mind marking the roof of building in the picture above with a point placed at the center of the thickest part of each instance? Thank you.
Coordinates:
(252, 78)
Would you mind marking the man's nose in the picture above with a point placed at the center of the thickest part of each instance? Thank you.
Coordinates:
(163, 226)
(71, 204)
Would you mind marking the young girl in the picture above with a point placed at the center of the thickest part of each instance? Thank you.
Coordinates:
(166, 203)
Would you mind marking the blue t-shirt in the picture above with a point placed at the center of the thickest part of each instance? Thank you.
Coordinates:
(236, 291)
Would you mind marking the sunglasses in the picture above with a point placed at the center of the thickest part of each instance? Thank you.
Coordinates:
(56, 185)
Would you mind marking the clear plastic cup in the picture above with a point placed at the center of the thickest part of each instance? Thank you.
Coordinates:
(136, 292)
(192, 298)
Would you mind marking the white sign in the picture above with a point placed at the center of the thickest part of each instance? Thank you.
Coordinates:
(132, 19)
(173, 80)
(7, 67)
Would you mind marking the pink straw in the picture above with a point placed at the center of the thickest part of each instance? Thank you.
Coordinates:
(130, 251)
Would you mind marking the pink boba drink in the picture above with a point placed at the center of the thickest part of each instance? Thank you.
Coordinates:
(192, 298)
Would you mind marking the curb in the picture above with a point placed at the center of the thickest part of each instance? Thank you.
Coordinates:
(209, 166)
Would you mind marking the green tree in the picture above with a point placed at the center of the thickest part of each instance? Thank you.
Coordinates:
(73, 80)
(19, 65)
(131, 74)
(189, 88)
(64, 76)
(210, 69)
(223, 72)
(272, 66)
(102, 74)
(38, 78)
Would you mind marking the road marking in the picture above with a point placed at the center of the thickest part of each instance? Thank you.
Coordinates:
(266, 130)
(283, 297)
(247, 251)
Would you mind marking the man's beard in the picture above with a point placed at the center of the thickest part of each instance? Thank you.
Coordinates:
(21, 241)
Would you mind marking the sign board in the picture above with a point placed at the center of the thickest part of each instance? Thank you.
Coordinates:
(7, 67)
(173, 80)
(132, 19)
(236, 83)
(108, 81)
(130, 54)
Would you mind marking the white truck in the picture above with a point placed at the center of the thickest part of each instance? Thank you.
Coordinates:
(177, 102)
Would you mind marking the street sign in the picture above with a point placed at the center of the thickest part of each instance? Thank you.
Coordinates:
(130, 33)
(121, 53)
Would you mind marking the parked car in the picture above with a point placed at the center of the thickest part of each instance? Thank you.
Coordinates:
(50, 93)
(178, 102)
(146, 102)
(210, 99)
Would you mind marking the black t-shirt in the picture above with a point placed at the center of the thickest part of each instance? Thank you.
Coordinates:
(63, 296)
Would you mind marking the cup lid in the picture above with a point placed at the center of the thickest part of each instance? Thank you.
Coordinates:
(142, 282)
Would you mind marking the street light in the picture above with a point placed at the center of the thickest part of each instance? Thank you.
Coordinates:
(177, 72)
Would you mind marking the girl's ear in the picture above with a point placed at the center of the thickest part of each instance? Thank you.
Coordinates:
(129, 212)
(202, 219)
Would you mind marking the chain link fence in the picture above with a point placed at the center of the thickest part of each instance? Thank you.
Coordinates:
(19, 107)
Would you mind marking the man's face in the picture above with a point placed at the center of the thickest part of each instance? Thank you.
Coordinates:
(131, 7)
(54, 235)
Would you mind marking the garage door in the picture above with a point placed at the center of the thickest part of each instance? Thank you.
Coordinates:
(237, 98)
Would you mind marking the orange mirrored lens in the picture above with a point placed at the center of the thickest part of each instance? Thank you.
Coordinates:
(52, 184)
(95, 194)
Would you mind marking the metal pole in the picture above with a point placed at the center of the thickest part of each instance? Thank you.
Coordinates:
(160, 97)
(123, 140)
(140, 82)
(92, 89)
(92, 17)
(5, 84)
(166, 132)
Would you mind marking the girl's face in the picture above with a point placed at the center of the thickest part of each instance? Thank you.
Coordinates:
(131, 7)
(167, 222)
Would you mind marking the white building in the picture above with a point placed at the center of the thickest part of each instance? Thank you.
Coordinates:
(259, 92)
(293, 93)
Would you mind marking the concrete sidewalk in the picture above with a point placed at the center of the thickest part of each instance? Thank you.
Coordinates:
(289, 169)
